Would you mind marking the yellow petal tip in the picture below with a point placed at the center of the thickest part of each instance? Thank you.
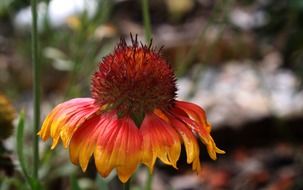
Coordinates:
(219, 151)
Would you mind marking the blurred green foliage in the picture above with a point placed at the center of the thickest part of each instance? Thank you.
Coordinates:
(285, 28)
(8, 7)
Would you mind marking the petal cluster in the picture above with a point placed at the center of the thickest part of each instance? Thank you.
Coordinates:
(117, 143)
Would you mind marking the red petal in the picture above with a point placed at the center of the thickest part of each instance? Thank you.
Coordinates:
(159, 140)
(84, 140)
(65, 118)
(195, 112)
(118, 146)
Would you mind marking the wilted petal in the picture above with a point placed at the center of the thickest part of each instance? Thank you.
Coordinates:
(195, 118)
(190, 143)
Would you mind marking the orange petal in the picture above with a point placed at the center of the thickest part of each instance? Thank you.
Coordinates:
(197, 121)
(118, 146)
(190, 143)
(58, 111)
(161, 114)
(84, 140)
(65, 118)
(195, 113)
(159, 140)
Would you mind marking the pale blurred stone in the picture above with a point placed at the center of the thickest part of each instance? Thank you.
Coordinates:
(187, 181)
(247, 19)
(58, 12)
(239, 92)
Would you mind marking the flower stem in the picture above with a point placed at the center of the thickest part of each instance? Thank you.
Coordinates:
(126, 186)
(220, 8)
(148, 184)
(36, 87)
(146, 20)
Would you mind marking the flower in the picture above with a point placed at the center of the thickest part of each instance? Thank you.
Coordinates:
(7, 115)
(132, 117)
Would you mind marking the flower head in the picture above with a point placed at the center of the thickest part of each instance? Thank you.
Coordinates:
(133, 117)
(134, 80)
(7, 115)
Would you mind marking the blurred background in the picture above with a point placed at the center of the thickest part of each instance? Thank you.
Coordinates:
(241, 60)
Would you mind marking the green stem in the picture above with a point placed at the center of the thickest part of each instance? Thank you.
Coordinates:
(146, 20)
(184, 63)
(148, 185)
(126, 186)
(223, 8)
(36, 87)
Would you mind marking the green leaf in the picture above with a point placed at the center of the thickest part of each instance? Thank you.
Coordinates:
(33, 183)
(20, 141)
